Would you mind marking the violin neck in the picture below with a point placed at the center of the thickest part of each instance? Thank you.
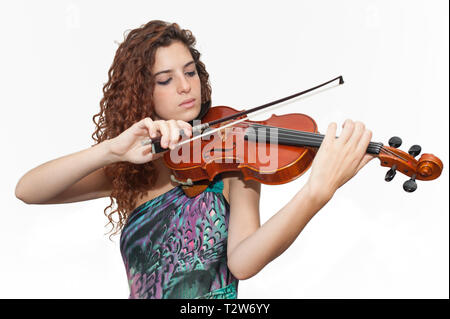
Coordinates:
(284, 136)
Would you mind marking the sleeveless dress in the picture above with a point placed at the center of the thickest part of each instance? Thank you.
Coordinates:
(174, 246)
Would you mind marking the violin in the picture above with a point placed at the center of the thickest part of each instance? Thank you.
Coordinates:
(273, 151)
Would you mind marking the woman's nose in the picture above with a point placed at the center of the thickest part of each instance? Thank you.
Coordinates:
(183, 85)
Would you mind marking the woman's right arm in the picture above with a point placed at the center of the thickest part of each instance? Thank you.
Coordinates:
(71, 178)
(80, 176)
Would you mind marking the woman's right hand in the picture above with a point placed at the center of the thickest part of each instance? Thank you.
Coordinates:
(128, 147)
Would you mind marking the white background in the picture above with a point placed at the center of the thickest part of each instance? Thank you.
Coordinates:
(372, 240)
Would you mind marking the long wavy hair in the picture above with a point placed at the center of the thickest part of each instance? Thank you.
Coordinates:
(127, 98)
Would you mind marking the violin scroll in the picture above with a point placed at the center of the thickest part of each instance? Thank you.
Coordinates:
(427, 168)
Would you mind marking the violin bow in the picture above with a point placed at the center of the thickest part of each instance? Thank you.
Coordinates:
(197, 130)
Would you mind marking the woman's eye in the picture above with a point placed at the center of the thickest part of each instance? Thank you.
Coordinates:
(164, 82)
(191, 74)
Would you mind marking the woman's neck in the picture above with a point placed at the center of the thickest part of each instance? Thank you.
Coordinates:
(164, 173)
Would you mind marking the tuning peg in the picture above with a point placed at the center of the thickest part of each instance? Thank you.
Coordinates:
(410, 185)
(395, 141)
(415, 150)
(390, 173)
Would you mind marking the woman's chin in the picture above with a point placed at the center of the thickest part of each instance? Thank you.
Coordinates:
(190, 114)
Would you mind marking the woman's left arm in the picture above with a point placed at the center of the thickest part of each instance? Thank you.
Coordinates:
(251, 246)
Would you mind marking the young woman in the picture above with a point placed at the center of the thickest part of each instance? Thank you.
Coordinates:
(174, 246)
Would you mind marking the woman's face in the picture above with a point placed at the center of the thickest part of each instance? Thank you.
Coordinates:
(176, 81)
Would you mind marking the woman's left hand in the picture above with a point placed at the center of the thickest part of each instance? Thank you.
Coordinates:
(339, 159)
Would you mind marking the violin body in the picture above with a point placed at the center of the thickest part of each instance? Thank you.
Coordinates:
(230, 149)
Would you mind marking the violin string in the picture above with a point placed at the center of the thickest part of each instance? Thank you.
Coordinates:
(317, 138)
(290, 135)
(375, 149)
(311, 141)
(284, 129)
(372, 149)
(392, 153)
(305, 136)
(243, 120)
(296, 133)
(389, 152)
(293, 136)
(290, 132)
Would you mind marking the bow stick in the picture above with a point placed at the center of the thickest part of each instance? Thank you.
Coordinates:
(156, 148)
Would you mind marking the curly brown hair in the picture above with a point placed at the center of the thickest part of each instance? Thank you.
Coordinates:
(127, 98)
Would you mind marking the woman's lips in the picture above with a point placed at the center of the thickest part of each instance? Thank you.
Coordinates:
(189, 103)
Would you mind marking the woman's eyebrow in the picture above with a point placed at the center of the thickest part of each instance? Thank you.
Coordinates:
(168, 71)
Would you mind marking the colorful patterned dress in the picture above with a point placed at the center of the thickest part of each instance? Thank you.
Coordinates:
(174, 246)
